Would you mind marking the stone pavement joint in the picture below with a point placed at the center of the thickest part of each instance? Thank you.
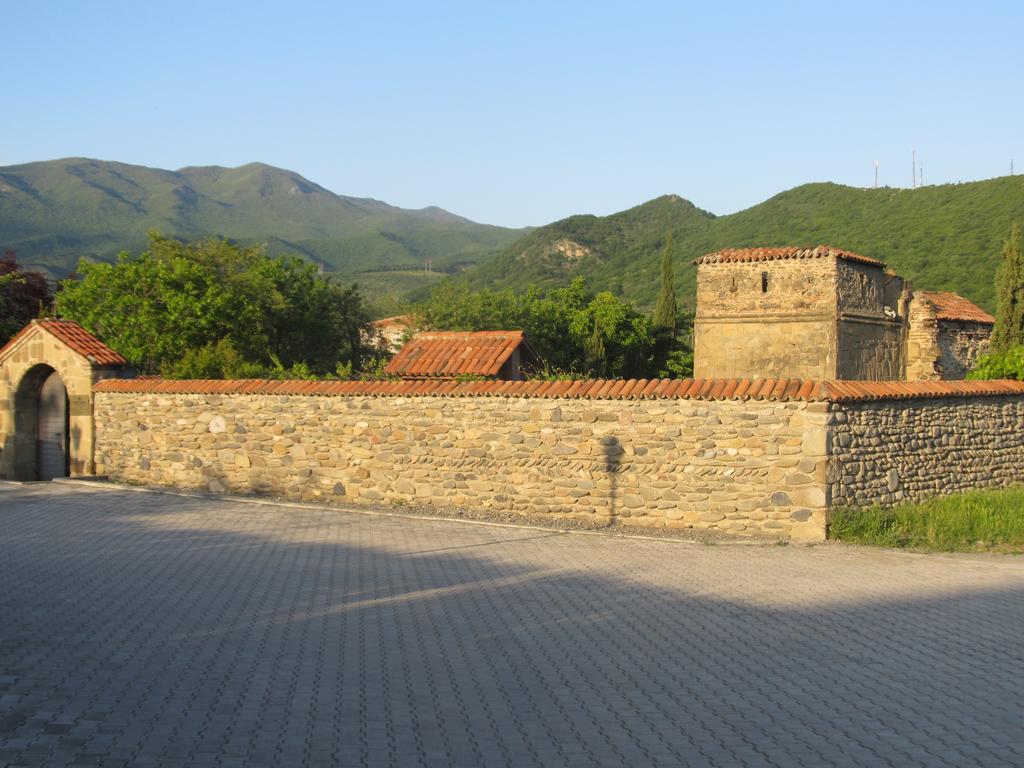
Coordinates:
(151, 629)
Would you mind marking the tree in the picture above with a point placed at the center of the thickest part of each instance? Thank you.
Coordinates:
(574, 331)
(665, 309)
(595, 359)
(672, 354)
(1008, 331)
(214, 307)
(24, 295)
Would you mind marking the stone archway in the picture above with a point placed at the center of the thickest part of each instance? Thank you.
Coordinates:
(40, 350)
(41, 441)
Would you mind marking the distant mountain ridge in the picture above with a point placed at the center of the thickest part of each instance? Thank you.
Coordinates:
(943, 237)
(54, 212)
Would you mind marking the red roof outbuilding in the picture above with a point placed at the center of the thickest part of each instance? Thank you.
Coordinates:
(953, 306)
(447, 354)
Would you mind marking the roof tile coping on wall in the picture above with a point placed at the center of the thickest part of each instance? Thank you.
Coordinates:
(599, 389)
(74, 336)
(953, 306)
(738, 255)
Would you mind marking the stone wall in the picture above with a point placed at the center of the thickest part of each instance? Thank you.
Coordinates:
(739, 466)
(870, 350)
(960, 345)
(896, 450)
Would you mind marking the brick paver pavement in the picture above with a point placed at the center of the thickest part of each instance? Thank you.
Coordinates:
(144, 629)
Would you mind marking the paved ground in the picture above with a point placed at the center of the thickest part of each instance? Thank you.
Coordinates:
(143, 629)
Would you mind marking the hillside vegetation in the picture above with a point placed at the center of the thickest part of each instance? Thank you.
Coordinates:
(52, 213)
(945, 237)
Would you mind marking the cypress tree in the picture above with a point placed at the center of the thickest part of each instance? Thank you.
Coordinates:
(596, 359)
(665, 309)
(1008, 331)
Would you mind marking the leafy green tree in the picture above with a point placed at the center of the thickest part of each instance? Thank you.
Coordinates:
(1008, 331)
(215, 309)
(1000, 365)
(24, 294)
(572, 329)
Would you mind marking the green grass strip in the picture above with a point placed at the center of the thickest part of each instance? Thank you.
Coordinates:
(963, 522)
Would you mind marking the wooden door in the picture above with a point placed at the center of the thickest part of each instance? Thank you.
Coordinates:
(52, 434)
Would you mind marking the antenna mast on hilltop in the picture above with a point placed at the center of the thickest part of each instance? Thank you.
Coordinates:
(913, 168)
(876, 173)
(920, 175)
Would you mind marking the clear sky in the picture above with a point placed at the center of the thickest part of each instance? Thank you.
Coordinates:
(520, 113)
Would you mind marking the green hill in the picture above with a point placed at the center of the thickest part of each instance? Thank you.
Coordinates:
(945, 237)
(52, 213)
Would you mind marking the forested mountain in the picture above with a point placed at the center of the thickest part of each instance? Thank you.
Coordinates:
(944, 237)
(54, 212)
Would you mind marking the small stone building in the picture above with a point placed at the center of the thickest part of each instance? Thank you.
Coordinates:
(451, 354)
(827, 313)
(945, 336)
(47, 373)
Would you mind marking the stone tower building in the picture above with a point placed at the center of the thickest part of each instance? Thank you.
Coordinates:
(818, 313)
(826, 313)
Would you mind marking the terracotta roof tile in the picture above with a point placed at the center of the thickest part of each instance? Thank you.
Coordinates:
(737, 255)
(952, 306)
(75, 337)
(678, 389)
(453, 353)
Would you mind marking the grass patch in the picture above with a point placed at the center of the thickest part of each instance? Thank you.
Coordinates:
(964, 522)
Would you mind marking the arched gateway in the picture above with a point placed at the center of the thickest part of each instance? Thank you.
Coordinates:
(46, 376)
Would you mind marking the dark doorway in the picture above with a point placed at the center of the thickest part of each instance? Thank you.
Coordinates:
(52, 429)
(41, 435)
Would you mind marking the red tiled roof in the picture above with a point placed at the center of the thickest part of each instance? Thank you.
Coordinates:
(75, 337)
(600, 389)
(952, 306)
(735, 255)
(451, 353)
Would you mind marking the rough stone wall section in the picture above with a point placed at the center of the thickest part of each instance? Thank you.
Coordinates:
(885, 452)
(960, 345)
(744, 467)
(923, 350)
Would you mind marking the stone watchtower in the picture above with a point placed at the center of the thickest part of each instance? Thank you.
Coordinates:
(816, 313)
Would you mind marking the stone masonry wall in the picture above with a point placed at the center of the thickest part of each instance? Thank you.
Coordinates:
(744, 467)
(923, 350)
(960, 346)
(886, 452)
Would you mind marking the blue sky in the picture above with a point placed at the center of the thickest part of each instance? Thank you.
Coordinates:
(522, 113)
